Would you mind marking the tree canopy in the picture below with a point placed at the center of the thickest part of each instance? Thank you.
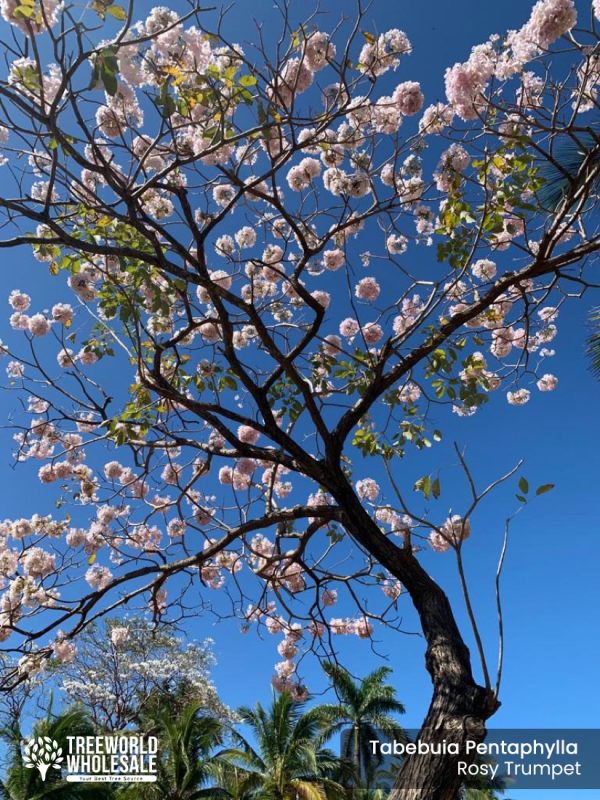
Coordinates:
(277, 269)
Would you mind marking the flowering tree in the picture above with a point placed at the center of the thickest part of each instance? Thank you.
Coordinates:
(205, 203)
(124, 666)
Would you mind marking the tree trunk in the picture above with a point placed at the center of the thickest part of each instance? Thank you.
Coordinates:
(356, 757)
(459, 707)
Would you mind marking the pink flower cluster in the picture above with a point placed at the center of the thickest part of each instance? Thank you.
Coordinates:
(454, 531)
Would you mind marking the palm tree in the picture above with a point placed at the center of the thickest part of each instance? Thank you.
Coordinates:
(364, 712)
(23, 783)
(575, 160)
(593, 342)
(185, 764)
(288, 761)
(236, 783)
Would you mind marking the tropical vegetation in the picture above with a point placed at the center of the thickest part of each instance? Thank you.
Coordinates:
(284, 751)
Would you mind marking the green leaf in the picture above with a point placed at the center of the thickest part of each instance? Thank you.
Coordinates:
(227, 382)
(118, 12)
(424, 485)
(545, 487)
(523, 485)
(110, 82)
(23, 11)
(520, 498)
(248, 80)
(435, 488)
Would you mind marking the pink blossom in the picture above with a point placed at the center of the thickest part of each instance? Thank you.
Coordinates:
(329, 597)
(113, 470)
(396, 244)
(287, 648)
(15, 369)
(65, 358)
(333, 259)
(224, 246)
(226, 475)
(549, 20)
(19, 321)
(438, 543)
(63, 650)
(84, 285)
(367, 489)
(341, 626)
(484, 269)
(19, 300)
(176, 528)
(246, 466)
(98, 577)
(223, 194)
(363, 628)
(322, 298)
(349, 328)
(332, 345)
(37, 405)
(36, 22)
(210, 332)
(293, 79)
(547, 383)
(409, 393)
(247, 434)
(367, 289)
(548, 313)
(47, 474)
(170, 474)
(376, 58)
(519, 397)
(86, 357)
(285, 668)
(300, 176)
(372, 333)
(245, 237)
(466, 82)
(392, 589)
(274, 625)
(453, 531)
(318, 50)
(39, 325)
(358, 184)
(218, 277)
(37, 563)
(409, 97)
(435, 118)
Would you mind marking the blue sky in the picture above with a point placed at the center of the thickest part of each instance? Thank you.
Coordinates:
(551, 587)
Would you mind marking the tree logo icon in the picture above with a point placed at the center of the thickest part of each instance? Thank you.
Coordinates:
(42, 752)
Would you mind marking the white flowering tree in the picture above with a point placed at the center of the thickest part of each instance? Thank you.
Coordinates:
(125, 668)
(255, 330)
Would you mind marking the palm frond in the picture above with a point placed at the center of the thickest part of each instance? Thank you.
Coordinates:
(573, 160)
(593, 342)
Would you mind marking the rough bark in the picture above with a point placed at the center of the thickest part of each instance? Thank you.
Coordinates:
(459, 706)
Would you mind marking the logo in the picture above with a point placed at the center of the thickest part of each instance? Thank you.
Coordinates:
(118, 758)
(42, 753)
